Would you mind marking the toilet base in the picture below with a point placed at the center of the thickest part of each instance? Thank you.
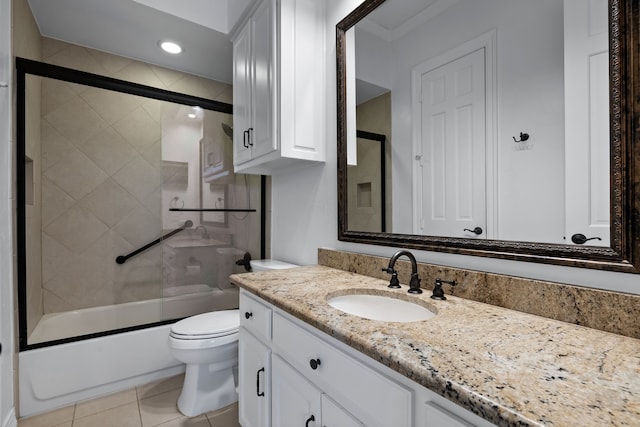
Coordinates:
(204, 391)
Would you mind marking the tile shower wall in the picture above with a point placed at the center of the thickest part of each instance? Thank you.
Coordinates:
(27, 43)
(101, 179)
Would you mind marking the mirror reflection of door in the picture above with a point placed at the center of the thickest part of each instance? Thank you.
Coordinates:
(451, 151)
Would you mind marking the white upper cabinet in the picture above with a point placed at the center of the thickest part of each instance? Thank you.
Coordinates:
(278, 87)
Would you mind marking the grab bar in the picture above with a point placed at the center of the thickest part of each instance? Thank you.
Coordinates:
(121, 259)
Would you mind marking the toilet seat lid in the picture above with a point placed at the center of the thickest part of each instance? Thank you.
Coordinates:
(208, 325)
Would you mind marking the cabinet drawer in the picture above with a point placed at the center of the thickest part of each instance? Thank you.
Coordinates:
(369, 396)
(255, 316)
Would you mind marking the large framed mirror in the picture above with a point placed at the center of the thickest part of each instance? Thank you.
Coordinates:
(512, 126)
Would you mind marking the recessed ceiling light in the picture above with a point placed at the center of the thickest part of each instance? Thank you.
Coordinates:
(171, 47)
(192, 115)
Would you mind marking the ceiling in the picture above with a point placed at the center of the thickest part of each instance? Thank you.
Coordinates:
(394, 19)
(134, 28)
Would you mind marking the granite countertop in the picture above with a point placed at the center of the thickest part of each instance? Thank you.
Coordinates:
(511, 368)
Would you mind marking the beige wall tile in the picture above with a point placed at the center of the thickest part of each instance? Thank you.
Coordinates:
(109, 151)
(138, 72)
(139, 178)
(55, 201)
(77, 229)
(76, 174)
(76, 121)
(110, 105)
(26, 36)
(54, 146)
(52, 46)
(77, 58)
(111, 63)
(109, 202)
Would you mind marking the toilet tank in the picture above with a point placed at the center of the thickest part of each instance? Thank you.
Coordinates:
(269, 264)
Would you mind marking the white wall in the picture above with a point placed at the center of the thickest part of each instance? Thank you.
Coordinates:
(305, 209)
(7, 415)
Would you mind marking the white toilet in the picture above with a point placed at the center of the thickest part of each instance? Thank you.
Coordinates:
(208, 345)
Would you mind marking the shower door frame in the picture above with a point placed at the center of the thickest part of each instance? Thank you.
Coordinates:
(41, 69)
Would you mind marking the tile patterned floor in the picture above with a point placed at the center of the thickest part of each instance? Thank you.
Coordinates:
(149, 405)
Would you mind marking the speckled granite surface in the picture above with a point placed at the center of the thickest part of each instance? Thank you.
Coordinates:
(614, 312)
(509, 367)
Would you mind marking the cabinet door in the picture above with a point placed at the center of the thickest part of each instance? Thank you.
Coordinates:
(435, 416)
(242, 96)
(253, 381)
(295, 402)
(334, 415)
(262, 136)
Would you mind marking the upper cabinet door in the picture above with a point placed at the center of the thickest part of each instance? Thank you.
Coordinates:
(242, 65)
(285, 88)
(263, 138)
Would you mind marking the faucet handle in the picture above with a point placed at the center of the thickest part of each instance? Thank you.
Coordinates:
(438, 292)
(394, 283)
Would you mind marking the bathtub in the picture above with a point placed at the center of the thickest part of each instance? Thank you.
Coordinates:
(60, 375)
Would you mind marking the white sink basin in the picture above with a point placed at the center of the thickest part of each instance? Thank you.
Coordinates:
(379, 307)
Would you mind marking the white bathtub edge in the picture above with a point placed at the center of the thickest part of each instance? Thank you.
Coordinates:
(99, 366)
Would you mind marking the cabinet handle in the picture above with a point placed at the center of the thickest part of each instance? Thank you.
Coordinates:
(250, 131)
(311, 418)
(247, 315)
(258, 392)
(245, 134)
(314, 363)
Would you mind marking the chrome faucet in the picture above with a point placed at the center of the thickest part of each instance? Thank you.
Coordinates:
(414, 284)
(205, 232)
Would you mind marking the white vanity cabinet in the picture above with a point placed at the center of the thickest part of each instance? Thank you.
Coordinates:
(370, 397)
(254, 361)
(297, 402)
(277, 117)
(311, 379)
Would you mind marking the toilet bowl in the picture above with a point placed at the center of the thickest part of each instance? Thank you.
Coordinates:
(269, 264)
(208, 345)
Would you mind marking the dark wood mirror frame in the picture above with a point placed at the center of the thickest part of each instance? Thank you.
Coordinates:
(624, 253)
